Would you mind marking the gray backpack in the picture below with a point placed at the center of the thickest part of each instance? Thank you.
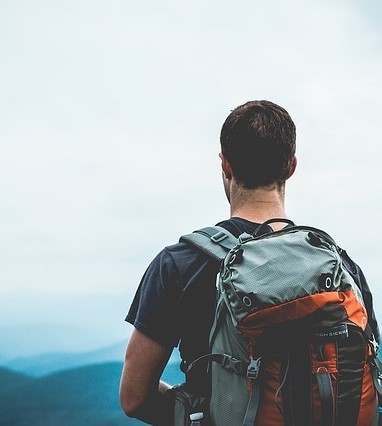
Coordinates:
(290, 344)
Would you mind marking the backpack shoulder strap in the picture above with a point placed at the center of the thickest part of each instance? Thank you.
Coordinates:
(215, 241)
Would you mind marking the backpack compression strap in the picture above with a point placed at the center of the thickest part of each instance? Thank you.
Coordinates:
(250, 370)
(215, 241)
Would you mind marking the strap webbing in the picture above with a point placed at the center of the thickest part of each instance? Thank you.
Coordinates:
(253, 404)
(253, 371)
(325, 389)
(215, 241)
(220, 306)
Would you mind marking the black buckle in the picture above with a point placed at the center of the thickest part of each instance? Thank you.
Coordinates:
(232, 364)
(253, 368)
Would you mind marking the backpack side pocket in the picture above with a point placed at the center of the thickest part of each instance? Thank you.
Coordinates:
(187, 404)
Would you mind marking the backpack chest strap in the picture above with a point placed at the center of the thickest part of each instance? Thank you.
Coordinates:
(242, 368)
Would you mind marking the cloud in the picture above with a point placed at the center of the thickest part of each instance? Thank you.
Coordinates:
(110, 120)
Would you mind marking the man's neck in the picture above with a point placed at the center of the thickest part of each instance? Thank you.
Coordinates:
(258, 205)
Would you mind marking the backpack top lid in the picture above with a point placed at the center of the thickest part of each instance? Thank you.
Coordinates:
(280, 275)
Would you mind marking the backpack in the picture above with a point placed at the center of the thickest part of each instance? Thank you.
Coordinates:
(291, 342)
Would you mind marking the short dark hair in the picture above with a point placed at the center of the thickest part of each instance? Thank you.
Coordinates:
(258, 139)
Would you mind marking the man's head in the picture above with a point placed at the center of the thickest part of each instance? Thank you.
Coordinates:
(258, 139)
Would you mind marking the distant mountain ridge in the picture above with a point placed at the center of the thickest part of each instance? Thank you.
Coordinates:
(40, 365)
(81, 396)
(69, 389)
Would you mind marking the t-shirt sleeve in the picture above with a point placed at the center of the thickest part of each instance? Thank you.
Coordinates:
(153, 308)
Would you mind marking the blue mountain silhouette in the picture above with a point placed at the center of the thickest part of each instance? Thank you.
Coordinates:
(80, 396)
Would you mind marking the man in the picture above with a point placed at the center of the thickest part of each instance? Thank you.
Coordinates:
(175, 301)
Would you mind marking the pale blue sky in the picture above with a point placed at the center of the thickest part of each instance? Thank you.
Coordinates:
(110, 113)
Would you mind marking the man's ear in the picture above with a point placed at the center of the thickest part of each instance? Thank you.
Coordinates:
(292, 167)
(226, 167)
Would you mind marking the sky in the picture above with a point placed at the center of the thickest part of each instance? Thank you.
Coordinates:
(110, 114)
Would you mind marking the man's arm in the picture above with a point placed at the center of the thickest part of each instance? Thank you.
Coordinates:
(141, 391)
